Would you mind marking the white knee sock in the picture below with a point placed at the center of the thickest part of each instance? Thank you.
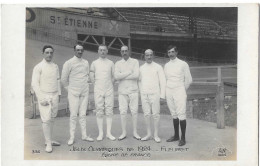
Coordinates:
(47, 132)
(123, 124)
(100, 126)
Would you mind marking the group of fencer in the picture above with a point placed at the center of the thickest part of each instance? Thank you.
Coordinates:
(153, 82)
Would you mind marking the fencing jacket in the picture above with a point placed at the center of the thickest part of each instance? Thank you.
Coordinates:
(103, 70)
(152, 79)
(177, 74)
(46, 78)
(127, 83)
(75, 76)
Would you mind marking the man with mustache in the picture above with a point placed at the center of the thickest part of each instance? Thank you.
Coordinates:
(75, 77)
(46, 85)
(127, 74)
(152, 88)
(102, 75)
(178, 79)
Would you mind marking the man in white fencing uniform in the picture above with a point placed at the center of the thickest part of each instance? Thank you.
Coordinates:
(102, 75)
(75, 77)
(152, 87)
(127, 74)
(46, 85)
(178, 79)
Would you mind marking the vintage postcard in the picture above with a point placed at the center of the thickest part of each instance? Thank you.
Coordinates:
(174, 84)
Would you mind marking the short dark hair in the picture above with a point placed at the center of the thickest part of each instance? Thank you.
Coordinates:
(171, 47)
(102, 45)
(77, 45)
(45, 47)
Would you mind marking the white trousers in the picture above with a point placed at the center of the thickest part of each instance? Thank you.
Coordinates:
(78, 105)
(48, 113)
(176, 101)
(128, 100)
(151, 104)
(51, 110)
(104, 102)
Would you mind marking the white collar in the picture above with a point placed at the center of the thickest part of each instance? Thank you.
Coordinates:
(44, 61)
(126, 60)
(174, 60)
(75, 57)
(149, 63)
(102, 59)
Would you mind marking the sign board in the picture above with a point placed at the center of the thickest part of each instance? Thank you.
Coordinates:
(51, 19)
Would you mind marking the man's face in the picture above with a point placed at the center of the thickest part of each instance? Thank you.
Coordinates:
(125, 53)
(172, 53)
(148, 56)
(48, 54)
(79, 51)
(102, 51)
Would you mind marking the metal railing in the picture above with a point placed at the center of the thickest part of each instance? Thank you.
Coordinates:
(220, 93)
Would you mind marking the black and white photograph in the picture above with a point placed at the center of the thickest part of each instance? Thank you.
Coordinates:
(134, 83)
(131, 83)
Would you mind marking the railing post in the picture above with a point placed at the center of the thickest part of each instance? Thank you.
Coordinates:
(220, 102)
(219, 74)
(190, 103)
(103, 40)
(129, 45)
(33, 103)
